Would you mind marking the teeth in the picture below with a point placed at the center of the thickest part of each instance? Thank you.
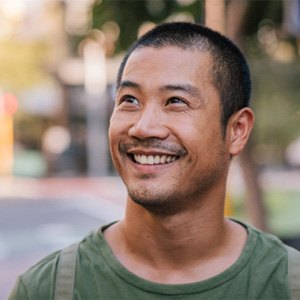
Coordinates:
(156, 159)
(153, 160)
(143, 159)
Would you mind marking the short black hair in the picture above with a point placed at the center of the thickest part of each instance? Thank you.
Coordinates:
(230, 72)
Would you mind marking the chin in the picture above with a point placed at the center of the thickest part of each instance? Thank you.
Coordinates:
(156, 203)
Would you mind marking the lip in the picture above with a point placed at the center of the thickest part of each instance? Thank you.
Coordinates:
(153, 148)
(150, 152)
(149, 168)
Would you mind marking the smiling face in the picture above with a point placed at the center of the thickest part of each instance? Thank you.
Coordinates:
(165, 132)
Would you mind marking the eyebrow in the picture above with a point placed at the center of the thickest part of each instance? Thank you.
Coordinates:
(129, 84)
(187, 88)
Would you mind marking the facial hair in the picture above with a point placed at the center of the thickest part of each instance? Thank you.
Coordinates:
(170, 199)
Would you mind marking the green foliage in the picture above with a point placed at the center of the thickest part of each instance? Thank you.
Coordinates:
(276, 85)
(130, 14)
(261, 10)
(276, 103)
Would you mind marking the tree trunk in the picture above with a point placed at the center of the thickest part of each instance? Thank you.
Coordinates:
(236, 11)
(254, 195)
(230, 20)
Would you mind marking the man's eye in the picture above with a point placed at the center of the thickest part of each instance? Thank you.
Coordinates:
(175, 100)
(129, 100)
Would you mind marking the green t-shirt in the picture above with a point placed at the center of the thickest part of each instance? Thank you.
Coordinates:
(259, 273)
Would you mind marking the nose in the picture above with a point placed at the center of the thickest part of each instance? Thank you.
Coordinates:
(149, 124)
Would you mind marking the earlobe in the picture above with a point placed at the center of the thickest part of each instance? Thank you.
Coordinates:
(240, 127)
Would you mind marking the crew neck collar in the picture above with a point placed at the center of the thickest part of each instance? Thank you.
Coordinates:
(172, 289)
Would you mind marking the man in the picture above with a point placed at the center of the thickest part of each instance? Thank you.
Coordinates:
(181, 114)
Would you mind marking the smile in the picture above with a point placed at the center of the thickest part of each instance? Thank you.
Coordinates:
(153, 159)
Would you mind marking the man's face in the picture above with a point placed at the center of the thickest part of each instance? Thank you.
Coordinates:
(165, 132)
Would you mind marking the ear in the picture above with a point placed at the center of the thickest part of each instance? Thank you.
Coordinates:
(238, 129)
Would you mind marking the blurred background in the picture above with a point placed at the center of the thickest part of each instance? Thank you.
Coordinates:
(58, 63)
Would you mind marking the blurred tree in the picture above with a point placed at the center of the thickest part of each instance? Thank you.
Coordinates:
(253, 25)
(130, 15)
(258, 33)
(20, 64)
(22, 68)
(277, 108)
(275, 65)
(30, 129)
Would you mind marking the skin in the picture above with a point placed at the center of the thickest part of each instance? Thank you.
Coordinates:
(174, 230)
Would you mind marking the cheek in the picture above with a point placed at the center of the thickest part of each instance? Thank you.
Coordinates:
(117, 126)
(113, 145)
(205, 143)
(113, 135)
(117, 131)
(120, 122)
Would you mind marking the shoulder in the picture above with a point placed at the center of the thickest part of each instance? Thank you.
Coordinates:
(38, 281)
(265, 249)
(274, 261)
(264, 239)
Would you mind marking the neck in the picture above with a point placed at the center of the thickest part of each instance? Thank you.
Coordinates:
(195, 239)
(181, 233)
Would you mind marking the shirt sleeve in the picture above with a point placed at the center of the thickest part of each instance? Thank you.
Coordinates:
(19, 292)
(37, 283)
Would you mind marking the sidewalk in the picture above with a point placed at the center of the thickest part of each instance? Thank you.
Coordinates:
(39, 216)
(110, 188)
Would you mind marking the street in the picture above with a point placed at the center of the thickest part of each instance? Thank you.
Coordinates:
(38, 217)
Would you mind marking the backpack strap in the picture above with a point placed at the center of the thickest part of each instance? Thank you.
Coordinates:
(294, 272)
(65, 275)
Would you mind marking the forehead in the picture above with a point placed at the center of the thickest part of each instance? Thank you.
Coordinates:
(167, 64)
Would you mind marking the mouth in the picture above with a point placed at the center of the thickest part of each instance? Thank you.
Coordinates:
(143, 159)
(152, 152)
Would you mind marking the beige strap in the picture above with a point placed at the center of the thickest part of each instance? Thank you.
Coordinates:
(65, 275)
(294, 272)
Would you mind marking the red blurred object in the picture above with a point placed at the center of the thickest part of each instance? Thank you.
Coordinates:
(10, 103)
